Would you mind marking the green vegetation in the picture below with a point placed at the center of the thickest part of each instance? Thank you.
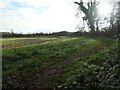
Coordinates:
(61, 62)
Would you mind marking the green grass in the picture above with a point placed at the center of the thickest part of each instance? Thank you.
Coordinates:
(67, 62)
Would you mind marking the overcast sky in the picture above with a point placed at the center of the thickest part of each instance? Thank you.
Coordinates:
(37, 15)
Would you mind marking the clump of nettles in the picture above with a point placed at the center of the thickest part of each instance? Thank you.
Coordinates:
(104, 75)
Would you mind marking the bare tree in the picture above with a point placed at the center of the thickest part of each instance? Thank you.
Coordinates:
(90, 12)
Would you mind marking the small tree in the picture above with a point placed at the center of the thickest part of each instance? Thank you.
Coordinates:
(116, 25)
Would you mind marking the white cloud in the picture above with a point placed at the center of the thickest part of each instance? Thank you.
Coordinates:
(39, 3)
(27, 12)
(59, 16)
(2, 5)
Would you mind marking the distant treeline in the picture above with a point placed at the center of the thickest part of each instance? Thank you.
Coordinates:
(62, 33)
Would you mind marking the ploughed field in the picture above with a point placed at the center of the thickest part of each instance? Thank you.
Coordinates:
(60, 62)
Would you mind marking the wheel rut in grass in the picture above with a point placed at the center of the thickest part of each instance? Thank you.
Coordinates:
(50, 76)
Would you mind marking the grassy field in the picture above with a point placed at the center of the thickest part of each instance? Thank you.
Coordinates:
(60, 62)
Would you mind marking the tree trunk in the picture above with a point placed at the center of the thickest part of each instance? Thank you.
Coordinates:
(92, 27)
(97, 27)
